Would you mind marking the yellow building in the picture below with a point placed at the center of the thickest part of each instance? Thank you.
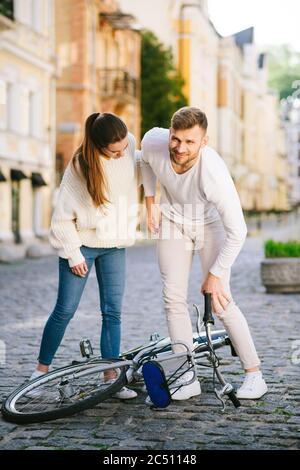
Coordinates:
(197, 59)
(98, 48)
(230, 106)
(27, 119)
(264, 186)
(226, 78)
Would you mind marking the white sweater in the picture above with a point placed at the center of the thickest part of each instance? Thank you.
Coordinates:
(199, 196)
(76, 221)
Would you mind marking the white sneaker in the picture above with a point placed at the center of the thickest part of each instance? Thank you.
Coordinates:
(186, 391)
(35, 392)
(253, 387)
(125, 394)
(148, 401)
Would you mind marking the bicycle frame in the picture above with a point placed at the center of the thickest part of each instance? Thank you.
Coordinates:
(69, 395)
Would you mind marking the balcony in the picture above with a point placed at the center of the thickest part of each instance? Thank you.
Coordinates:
(118, 84)
(119, 21)
(6, 15)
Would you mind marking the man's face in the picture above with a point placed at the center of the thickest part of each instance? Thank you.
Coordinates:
(185, 144)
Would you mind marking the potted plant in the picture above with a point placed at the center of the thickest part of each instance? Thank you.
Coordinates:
(280, 271)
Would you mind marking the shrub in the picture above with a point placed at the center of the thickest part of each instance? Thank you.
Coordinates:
(289, 249)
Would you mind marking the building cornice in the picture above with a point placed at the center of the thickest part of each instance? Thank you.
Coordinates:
(26, 56)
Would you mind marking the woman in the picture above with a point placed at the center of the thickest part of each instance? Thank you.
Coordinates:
(91, 224)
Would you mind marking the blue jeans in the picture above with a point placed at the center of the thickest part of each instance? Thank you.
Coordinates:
(110, 271)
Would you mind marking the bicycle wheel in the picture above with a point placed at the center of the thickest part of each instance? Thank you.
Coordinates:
(64, 392)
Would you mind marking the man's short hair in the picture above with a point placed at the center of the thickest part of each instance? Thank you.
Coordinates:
(188, 117)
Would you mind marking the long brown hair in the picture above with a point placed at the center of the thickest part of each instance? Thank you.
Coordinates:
(101, 129)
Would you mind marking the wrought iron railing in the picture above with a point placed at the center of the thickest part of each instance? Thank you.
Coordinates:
(118, 82)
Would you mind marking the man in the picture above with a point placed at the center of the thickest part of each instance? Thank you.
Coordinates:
(199, 210)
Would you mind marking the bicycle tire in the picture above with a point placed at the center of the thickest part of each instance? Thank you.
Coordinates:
(10, 413)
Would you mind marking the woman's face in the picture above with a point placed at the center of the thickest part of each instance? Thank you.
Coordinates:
(116, 150)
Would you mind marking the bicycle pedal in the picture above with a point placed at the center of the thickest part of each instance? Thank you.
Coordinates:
(86, 348)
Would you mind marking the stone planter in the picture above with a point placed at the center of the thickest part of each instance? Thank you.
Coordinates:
(281, 275)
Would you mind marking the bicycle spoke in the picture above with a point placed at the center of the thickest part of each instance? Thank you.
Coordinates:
(60, 392)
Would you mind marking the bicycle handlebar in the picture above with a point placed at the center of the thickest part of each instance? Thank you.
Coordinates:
(232, 396)
(208, 316)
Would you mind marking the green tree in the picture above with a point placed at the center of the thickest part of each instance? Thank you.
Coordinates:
(284, 70)
(161, 84)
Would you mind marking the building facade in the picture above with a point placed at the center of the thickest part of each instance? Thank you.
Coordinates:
(226, 78)
(98, 47)
(27, 119)
(290, 118)
(250, 134)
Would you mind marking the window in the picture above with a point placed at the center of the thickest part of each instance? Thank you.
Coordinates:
(23, 10)
(11, 123)
(3, 104)
(34, 114)
(29, 12)
(15, 213)
(37, 211)
(36, 6)
(242, 106)
(24, 110)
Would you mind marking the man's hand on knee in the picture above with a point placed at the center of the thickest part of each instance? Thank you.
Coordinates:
(212, 285)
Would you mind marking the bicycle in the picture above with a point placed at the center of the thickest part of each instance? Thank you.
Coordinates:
(84, 384)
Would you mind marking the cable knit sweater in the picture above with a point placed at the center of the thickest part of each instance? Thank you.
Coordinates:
(76, 221)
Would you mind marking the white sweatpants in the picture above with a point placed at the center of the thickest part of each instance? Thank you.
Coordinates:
(175, 254)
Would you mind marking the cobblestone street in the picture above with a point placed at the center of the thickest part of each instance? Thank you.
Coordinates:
(28, 293)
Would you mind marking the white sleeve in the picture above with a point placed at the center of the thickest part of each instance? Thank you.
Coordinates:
(63, 234)
(220, 190)
(148, 175)
(136, 158)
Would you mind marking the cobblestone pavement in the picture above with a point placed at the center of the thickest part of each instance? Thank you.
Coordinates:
(28, 293)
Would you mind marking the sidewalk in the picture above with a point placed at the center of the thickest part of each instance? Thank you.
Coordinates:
(28, 293)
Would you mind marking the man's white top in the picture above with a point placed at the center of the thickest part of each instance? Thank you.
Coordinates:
(202, 195)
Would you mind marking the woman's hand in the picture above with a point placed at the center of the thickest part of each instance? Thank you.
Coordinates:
(153, 215)
(212, 285)
(153, 219)
(80, 269)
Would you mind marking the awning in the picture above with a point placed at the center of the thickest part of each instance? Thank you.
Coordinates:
(17, 175)
(2, 177)
(37, 180)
